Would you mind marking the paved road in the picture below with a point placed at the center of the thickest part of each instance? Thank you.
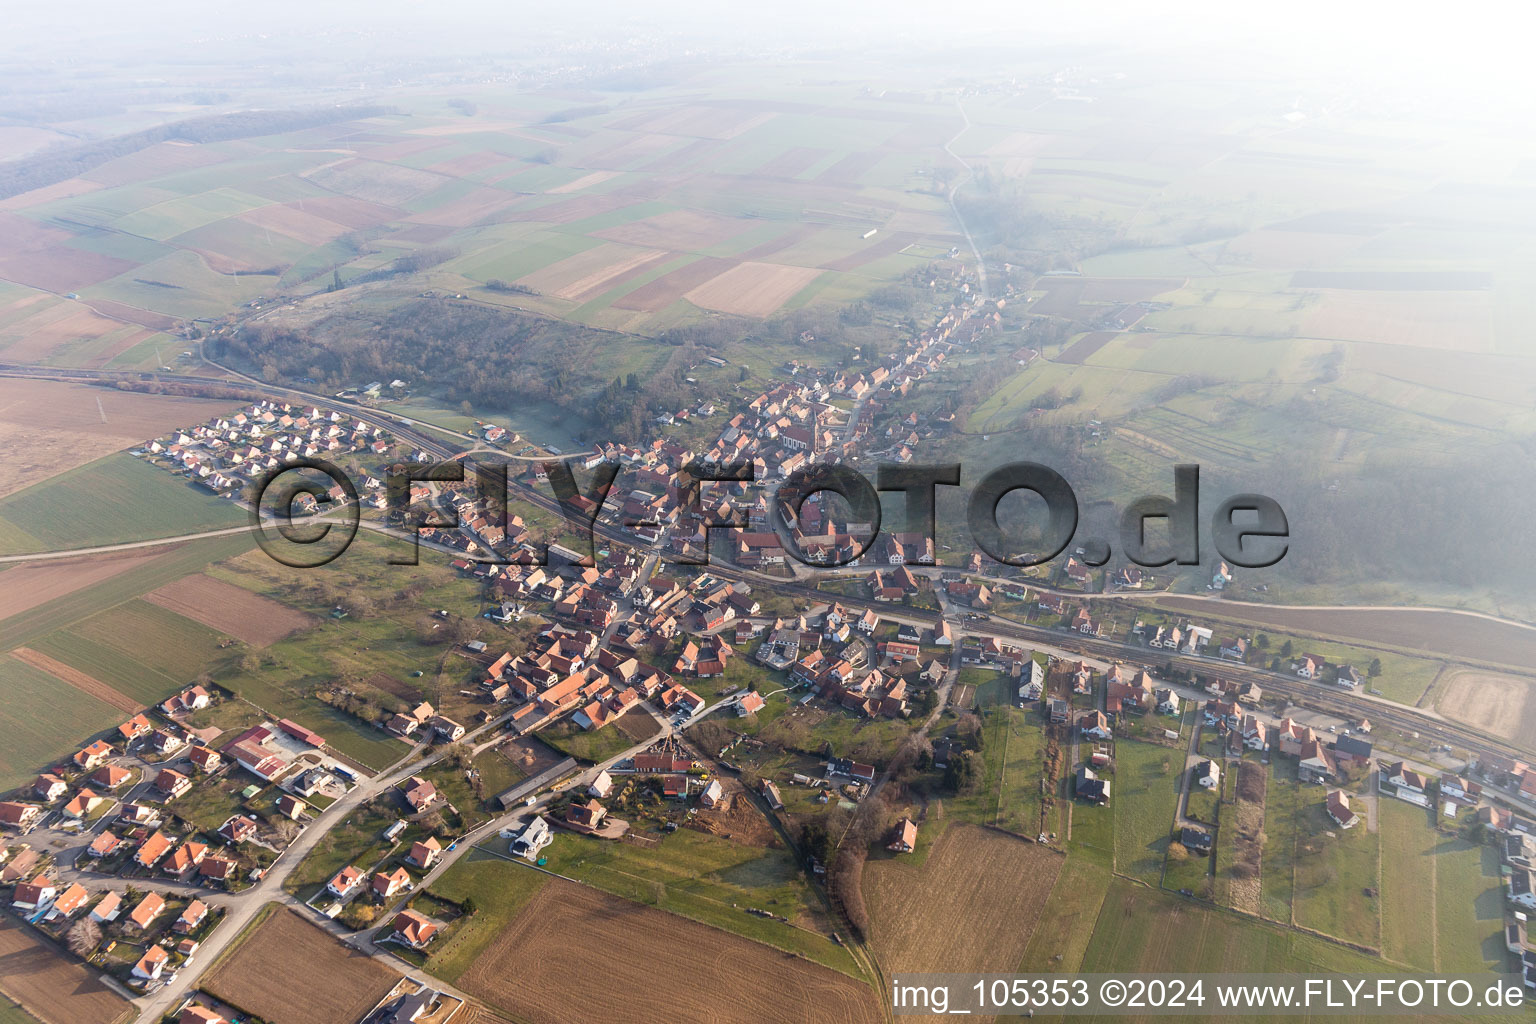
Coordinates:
(981, 264)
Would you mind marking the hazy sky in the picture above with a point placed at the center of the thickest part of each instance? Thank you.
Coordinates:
(1470, 50)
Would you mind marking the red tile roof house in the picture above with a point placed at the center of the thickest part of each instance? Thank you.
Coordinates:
(425, 854)
(216, 869)
(191, 918)
(70, 900)
(31, 895)
(110, 776)
(49, 788)
(200, 1015)
(186, 857)
(413, 930)
(93, 754)
(155, 847)
(419, 794)
(151, 963)
(107, 910)
(291, 806)
(346, 882)
(104, 845)
(238, 829)
(1338, 809)
(171, 783)
(149, 908)
(386, 885)
(903, 837)
(18, 815)
(83, 803)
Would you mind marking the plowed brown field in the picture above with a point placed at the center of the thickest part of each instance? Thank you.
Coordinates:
(674, 969)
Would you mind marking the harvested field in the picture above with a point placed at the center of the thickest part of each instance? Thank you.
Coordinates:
(527, 969)
(347, 211)
(794, 236)
(588, 273)
(79, 680)
(249, 617)
(154, 162)
(884, 246)
(374, 182)
(49, 426)
(1394, 280)
(52, 328)
(583, 182)
(469, 163)
(52, 987)
(850, 168)
(287, 971)
(49, 193)
(395, 687)
(23, 234)
(1243, 886)
(1459, 635)
(60, 268)
(478, 206)
(1452, 320)
(676, 229)
(575, 208)
(1083, 347)
(1497, 704)
(530, 755)
(970, 907)
(790, 162)
(668, 288)
(132, 314)
(300, 225)
(32, 585)
(752, 289)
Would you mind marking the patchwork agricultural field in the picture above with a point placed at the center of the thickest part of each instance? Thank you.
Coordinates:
(189, 230)
(763, 983)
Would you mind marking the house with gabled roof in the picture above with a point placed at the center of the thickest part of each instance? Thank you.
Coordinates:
(148, 909)
(104, 845)
(1338, 809)
(387, 884)
(19, 816)
(345, 882)
(93, 754)
(151, 964)
(413, 929)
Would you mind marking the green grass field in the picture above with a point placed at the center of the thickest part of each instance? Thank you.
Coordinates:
(110, 501)
(1332, 873)
(1144, 797)
(710, 880)
(1066, 924)
(42, 720)
(137, 648)
(500, 891)
(1407, 860)
(1143, 930)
